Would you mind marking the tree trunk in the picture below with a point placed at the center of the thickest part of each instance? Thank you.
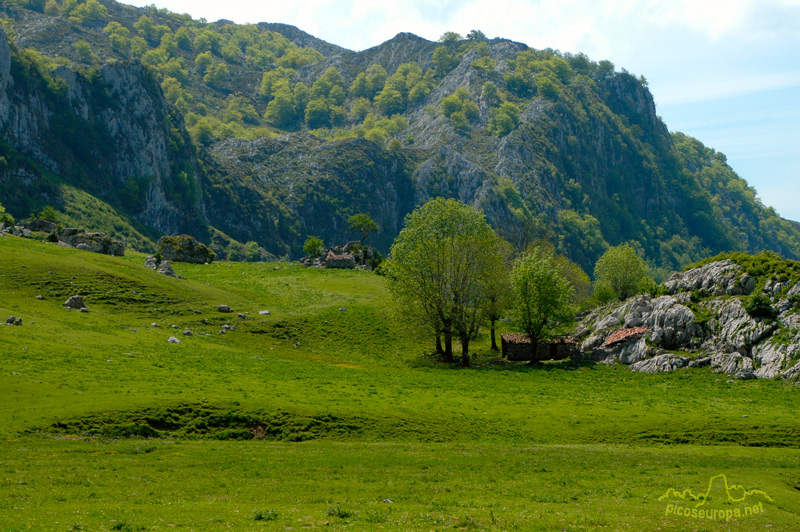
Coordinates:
(465, 352)
(494, 342)
(439, 349)
(448, 346)
(534, 348)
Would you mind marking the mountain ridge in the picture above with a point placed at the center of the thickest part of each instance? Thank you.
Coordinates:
(552, 146)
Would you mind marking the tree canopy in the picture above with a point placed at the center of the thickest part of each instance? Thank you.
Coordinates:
(363, 224)
(440, 267)
(542, 295)
(620, 273)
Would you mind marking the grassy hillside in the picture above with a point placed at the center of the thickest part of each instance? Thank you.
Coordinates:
(327, 408)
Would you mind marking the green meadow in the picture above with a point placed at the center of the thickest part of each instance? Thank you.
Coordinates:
(329, 412)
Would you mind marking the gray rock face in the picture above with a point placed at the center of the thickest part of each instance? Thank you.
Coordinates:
(151, 262)
(672, 324)
(773, 358)
(94, 242)
(660, 364)
(735, 364)
(75, 302)
(728, 338)
(715, 279)
(733, 329)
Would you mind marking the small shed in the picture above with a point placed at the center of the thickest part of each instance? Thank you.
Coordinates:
(516, 346)
(344, 260)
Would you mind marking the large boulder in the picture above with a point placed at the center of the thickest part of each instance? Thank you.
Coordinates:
(184, 248)
(75, 302)
(94, 242)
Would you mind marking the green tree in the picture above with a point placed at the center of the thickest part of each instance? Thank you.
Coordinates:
(5, 218)
(203, 61)
(363, 224)
(439, 268)
(51, 8)
(542, 296)
(251, 252)
(313, 247)
(498, 290)
(48, 213)
(84, 50)
(619, 274)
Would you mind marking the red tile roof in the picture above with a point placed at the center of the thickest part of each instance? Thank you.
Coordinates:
(625, 334)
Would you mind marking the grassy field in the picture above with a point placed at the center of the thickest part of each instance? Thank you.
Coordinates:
(328, 412)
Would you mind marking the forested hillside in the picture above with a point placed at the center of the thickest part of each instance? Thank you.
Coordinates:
(264, 133)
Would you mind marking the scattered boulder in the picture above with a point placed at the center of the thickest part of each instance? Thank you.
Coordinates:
(94, 242)
(12, 320)
(173, 340)
(187, 332)
(184, 248)
(165, 268)
(225, 309)
(263, 312)
(39, 298)
(242, 316)
(75, 302)
(39, 225)
(84, 310)
(161, 266)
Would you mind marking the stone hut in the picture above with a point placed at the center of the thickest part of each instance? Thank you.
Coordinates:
(517, 347)
(338, 258)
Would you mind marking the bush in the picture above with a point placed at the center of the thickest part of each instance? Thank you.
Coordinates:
(313, 247)
(760, 306)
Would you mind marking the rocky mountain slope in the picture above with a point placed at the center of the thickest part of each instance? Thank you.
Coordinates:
(741, 319)
(266, 133)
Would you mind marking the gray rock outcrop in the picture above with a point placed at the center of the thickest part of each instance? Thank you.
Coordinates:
(184, 248)
(75, 302)
(714, 329)
(94, 242)
(714, 279)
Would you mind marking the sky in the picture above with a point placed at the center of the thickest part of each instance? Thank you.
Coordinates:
(726, 72)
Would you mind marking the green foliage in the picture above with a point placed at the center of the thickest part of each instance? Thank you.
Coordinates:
(5, 218)
(84, 50)
(440, 267)
(252, 253)
(620, 273)
(313, 246)
(504, 119)
(363, 224)
(759, 306)
(48, 213)
(542, 295)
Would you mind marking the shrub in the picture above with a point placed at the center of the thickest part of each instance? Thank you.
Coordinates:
(759, 306)
(313, 246)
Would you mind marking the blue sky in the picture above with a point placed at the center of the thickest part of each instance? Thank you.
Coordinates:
(726, 72)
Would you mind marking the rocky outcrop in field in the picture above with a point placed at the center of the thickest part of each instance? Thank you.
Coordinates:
(705, 319)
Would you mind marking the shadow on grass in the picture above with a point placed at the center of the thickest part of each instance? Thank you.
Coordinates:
(491, 361)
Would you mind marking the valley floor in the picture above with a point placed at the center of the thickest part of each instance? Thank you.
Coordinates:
(311, 416)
